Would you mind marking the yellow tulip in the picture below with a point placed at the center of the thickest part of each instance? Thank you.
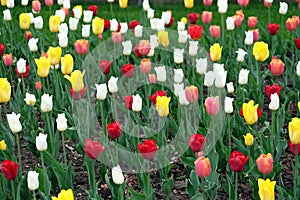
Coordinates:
(294, 130)
(54, 54)
(43, 65)
(54, 22)
(97, 25)
(189, 3)
(5, 90)
(2, 145)
(299, 106)
(162, 105)
(184, 20)
(215, 52)
(260, 51)
(250, 112)
(123, 3)
(3, 2)
(163, 38)
(64, 195)
(266, 189)
(67, 64)
(248, 139)
(76, 80)
(24, 20)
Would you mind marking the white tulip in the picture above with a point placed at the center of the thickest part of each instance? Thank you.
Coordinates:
(180, 26)
(127, 47)
(30, 99)
(151, 53)
(138, 31)
(182, 98)
(21, 65)
(283, 8)
(6, 15)
(24, 2)
(46, 103)
(67, 4)
(124, 27)
(178, 75)
(86, 30)
(209, 79)
(153, 41)
(230, 87)
(230, 23)
(228, 107)
(10, 3)
(73, 23)
(33, 180)
(241, 55)
(117, 175)
(161, 73)
(269, 1)
(41, 142)
(243, 76)
(220, 75)
(146, 5)
(298, 68)
(178, 87)
(112, 84)
(63, 28)
(38, 22)
(62, 122)
(60, 2)
(113, 25)
(150, 13)
(77, 13)
(193, 48)
(31, 17)
(63, 40)
(249, 38)
(14, 122)
(32, 44)
(274, 104)
(101, 91)
(160, 26)
(137, 103)
(166, 17)
(87, 16)
(178, 55)
(222, 6)
(182, 36)
(110, 1)
(201, 65)
(61, 15)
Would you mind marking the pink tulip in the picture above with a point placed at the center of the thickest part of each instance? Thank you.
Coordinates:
(255, 34)
(206, 17)
(116, 37)
(276, 66)
(291, 23)
(152, 78)
(212, 105)
(48, 2)
(252, 21)
(36, 6)
(215, 31)
(243, 3)
(265, 163)
(267, 4)
(207, 2)
(191, 93)
(145, 66)
(202, 166)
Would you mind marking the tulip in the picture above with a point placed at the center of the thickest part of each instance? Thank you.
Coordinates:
(63, 40)
(76, 80)
(101, 91)
(191, 93)
(61, 14)
(207, 2)
(250, 112)
(128, 70)
(67, 64)
(7, 15)
(93, 149)
(260, 51)
(146, 5)
(215, 31)
(9, 169)
(178, 89)
(133, 24)
(114, 130)
(152, 78)
(206, 17)
(215, 52)
(266, 189)
(24, 20)
(7, 59)
(123, 3)
(54, 54)
(201, 65)
(230, 23)
(77, 11)
(105, 66)
(117, 175)
(38, 85)
(128, 100)
(291, 24)
(228, 107)
(163, 38)
(113, 25)
(195, 31)
(36, 6)
(61, 122)
(41, 142)
(252, 21)
(202, 166)
(124, 27)
(158, 93)
(127, 47)
(54, 22)
(137, 103)
(212, 105)
(63, 29)
(178, 75)
(196, 142)
(248, 139)
(64, 195)
(162, 105)
(193, 48)
(43, 65)
(85, 30)
(189, 3)
(33, 180)
(161, 73)
(180, 26)
(255, 33)
(237, 161)
(21, 66)
(265, 163)
(243, 76)
(94, 9)
(25, 74)
(274, 104)
(292, 147)
(14, 122)
(294, 130)
(268, 3)
(297, 43)
(27, 35)
(73, 22)
(230, 87)
(166, 17)
(148, 149)
(249, 38)
(38, 22)
(48, 2)
(222, 6)
(220, 75)
(276, 66)
(81, 46)
(116, 37)
(46, 103)
(193, 17)
(142, 48)
(30, 99)
(243, 3)
(66, 6)
(209, 78)
(182, 36)
(112, 84)
(2, 145)
(4, 2)
(273, 28)
(87, 16)
(145, 66)
(32, 44)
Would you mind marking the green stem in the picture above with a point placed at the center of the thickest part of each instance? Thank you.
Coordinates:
(44, 170)
(102, 117)
(282, 25)
(34, 197)
(111, 11)
(236, 185)
(223, 27)
(250, 157)
(229, 134)
(296, 173)
(274, 132)
(203, 187)
(269, 17)
(120, 192)
(115, 108)
(13, 189)
(19, 153)
(50, 132)
(64, 148)
(23, 85)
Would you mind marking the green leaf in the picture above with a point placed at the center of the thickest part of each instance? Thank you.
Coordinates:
(197, 197)
(135, 195)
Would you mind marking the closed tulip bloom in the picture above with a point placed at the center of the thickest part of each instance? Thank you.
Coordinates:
(23, 2)
(54, 54)
(73, 23)
(178, 75)
(283, 8)
(97, 25)
(189, 3)
(145, 66)
(63, 28)
(182, 36)
(162, 105)
(243, 76)
(228, 107)
(21, 66)
(32, 44)
(220, 75)
(215, 31)
(154, 96)
(237, 161)
(202, 166)
(33, 180)
(195, 31)
(222, 6)
(101, 91)
(76, 80)
(48, 2)
(250, 112)
(266, 189)
(128, 70)
(178, 88)
(255, 33)
(274, 104)
(46, 103)
(43, 65)
(112, 84)
(248, 139)
(137, 103)
(54, 22)
(105, 66)
(271, 89)
(215, 52)
(206, 17)
(113, 25)
(196, 142)
(209, 78)
(6, 15)
(148, 149)
(114, 129)
(117, 175)
(93, 149)
(14, 122)
(61, 122)
(163, 38)
(27, 35)
(152, 78)
(291, 24)
(201, 65)
(230, 23)
(94, 9)
(161, 73)
(252, 21)
(77, 11)
(294, 130)
(38, 22)
(241, 55)
(123, 3)
(85, 30)
(212, 105)
(4, 2)
(230, 87)
(180, 26)
(24, 20)
(81, 46)
(67, 64)
(276, 66)
(7, 59)
(265, 163)
(2, 145)
(9, 169)
(87, 16)
(273, 28)
(243, 3)
(249, 38)
(128, 102)
(127, 47)
(30, 99)
(191, 93)
(193, 48)
(64, 195)
(36, 6)
(260, 51)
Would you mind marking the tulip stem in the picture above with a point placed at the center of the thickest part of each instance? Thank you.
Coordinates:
(269, 18)
(64, 148)
(23, 85)
(19, 152)
(236, 185)
(223, 27)
(120, 192)
(274, 132)
(115, 115)
(229, 135)
(102, 117)
(296, 173)
(50, 132)
(13, 189)
(111, 11)
(34, 197)
(282, 29)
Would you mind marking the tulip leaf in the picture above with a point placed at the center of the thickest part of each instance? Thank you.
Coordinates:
(198, 196)
(135, 195)
(44, 182)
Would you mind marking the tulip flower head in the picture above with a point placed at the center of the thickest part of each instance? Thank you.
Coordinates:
(294, 130)
(30, 99)
(162, 105)
(24, 20)
(191, 93)
(261, 51)
(273, 28)
(276, 66)
(7, 58)
(2, 145)
(93, 149)
(81, 46)
(248, 139)
(148, 149)
(197, 142)
(266, 189)
(265, 163)
(202, 166)
(189, 3)
(54, 22)
(114, 129)
(252, 21)
(215, 31)
(117, 175)
(33, 180)
(250, 112)
(105, 66)
(142, 48)
(41, 142)
(5, 90)
(46, 103)
(128, 70)
(195, 31)
(206, 17)
(237, 161)
(215, 52)
(101, 91)
(9, 169)
(14, 122)
(212, 105)
(76, 80)
(64, 195)
(145, 66)
(228, 107)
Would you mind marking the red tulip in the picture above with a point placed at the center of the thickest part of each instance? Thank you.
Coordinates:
(148, 149)
(193, 17)
(273, 28)
(38, 85)
(114, 129)
(75, 95)
(195, 31)
(7, 59)
(297, 42)
(171, 22)
(128, 70)
(93, 149)
(276, 66)
(237, 161)
(128, 102)
(133, 24)
(142, 48)
(28, 35)
(9, 169)
(105, 66)
(293, 148)
(81, 46)
(202, 166)
(2, 47)
(93, 8)
(156, 94)
(271, 89)
(106, 24)
(24, 75)
(206, 17)
(265, 163)
(196, 142)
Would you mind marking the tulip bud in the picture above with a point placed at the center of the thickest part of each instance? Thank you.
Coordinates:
(178, 75)
(265, 163)
(21, 66)
(117, 175)
(41, 142)
(32, 44)
(127, 47)
(209, 78)
(152, 78)
(294, 130)
(6, 15)
(9, 169)
(276, 66)
(243, 76)
(137, 103)
(145, 66)
(61, 122)
(283, 8)
(191, 93)
(46, 103)
(161, 73)
(112, 84)
(201, 65)
(230, 23)
(241, 54)
(196, 142)
(7, 59)
(249, 38)
(266, 189)
(101, 91)
(212, 105)
(228, 105)
(30, 99)
(202, 166)
(14, 122)
(230, 88)
(237, 161)
(178, 56)
(87, 16)
(274, 104)
(248, 139)
(33, 180)
(220, 75)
